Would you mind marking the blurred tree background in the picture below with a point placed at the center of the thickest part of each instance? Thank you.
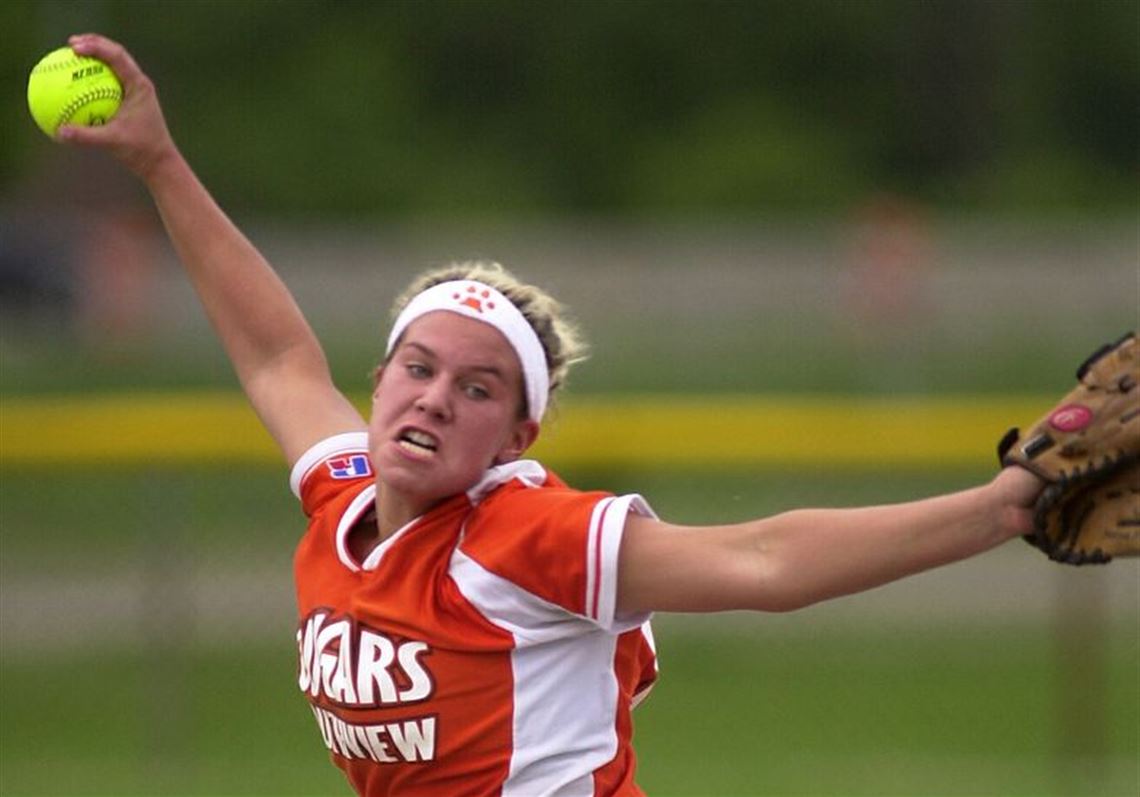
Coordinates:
(654, 108)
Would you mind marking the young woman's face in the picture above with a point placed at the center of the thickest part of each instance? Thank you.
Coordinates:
(447, 406)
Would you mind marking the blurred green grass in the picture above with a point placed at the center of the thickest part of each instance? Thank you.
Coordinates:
(747, 705)
(871, 711)
(739, 711)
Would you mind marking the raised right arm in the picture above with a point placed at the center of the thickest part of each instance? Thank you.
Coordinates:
(278, 359)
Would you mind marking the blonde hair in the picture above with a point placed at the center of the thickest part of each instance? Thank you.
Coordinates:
(562, 342)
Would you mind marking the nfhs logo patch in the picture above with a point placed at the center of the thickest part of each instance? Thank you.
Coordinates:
(354, 466)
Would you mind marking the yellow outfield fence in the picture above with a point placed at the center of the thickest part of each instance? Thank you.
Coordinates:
(644, 431)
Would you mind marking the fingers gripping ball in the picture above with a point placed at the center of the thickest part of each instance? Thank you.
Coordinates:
(66, 88)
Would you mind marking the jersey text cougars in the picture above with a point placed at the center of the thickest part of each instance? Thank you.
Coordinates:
(348, 665)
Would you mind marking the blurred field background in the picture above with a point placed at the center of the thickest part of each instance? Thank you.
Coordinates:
(826, 253)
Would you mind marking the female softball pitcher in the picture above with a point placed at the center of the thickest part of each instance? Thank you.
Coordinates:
(468, 624)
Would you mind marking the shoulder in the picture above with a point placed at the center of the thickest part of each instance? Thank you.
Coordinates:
(525, 498)
(329, 468)
(553, 541)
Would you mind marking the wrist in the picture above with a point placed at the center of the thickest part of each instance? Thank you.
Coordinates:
(161, 168)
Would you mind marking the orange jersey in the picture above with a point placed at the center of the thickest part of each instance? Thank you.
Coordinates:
(477, 650)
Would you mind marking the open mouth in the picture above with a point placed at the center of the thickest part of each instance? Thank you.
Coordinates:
(417, 442)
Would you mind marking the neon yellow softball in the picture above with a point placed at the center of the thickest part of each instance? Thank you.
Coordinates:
(65, 88)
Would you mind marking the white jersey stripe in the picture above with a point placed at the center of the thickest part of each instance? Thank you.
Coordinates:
(607, 525)
(592, 551)
(563, 668)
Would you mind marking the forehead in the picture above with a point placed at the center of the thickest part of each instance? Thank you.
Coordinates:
(467, 341)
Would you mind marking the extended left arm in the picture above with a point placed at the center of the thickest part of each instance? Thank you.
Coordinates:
(798, 558)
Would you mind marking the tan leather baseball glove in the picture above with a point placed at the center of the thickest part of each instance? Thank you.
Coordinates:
(1088, 450)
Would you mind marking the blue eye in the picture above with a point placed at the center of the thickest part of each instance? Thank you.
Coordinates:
(476, 392)
(418, 370)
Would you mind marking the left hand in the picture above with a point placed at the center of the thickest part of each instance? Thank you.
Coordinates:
(1017, 490)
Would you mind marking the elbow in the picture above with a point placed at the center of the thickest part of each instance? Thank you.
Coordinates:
(778, 587)
(781, 577)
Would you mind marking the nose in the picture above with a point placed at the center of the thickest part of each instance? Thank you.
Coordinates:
(434, 400)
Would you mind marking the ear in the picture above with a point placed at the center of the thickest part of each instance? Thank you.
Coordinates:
(521, 437)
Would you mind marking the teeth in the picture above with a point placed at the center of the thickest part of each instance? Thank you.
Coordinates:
(417, 441)
(420, 438)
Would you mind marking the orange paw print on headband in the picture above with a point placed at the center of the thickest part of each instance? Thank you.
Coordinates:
(473, 299)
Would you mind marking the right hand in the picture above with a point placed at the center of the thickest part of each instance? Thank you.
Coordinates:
(137, 135)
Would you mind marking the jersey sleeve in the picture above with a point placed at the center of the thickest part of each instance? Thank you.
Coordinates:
(558, 544)
(328, 467)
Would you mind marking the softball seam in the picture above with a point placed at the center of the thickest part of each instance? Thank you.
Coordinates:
(70, 63)
(101, 93)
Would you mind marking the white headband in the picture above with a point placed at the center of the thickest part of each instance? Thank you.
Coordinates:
(484, 303)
